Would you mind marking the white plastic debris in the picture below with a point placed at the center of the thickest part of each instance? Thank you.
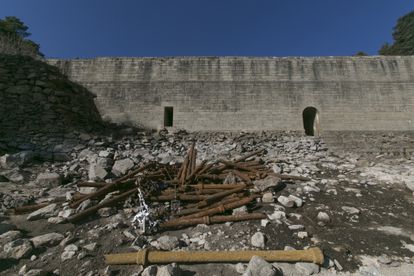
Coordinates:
(142, 220)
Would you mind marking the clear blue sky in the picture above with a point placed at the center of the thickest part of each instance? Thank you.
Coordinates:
(90, 28)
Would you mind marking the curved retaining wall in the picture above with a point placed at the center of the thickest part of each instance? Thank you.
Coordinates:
(251, 93)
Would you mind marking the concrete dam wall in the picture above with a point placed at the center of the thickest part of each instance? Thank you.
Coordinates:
(252, 93)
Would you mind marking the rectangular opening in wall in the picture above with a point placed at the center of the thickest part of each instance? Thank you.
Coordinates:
(168, 116)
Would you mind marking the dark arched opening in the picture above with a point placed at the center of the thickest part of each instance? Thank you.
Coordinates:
(310, 120)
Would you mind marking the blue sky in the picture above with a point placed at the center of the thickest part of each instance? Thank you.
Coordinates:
(90, 28)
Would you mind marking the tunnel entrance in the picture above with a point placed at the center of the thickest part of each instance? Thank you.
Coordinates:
(311, 121)
(168, 116)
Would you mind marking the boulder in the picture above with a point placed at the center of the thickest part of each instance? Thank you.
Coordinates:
(48, 180)
(49, 239)
(120, 167)
(259, 267)
(258, 240)
(17, 249)
(43, 213)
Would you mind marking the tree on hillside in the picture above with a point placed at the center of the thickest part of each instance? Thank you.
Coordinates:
(14, 26)
(361, 54)
(14, 38)
(403, 36)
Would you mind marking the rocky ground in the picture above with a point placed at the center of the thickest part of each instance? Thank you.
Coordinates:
(357, 208)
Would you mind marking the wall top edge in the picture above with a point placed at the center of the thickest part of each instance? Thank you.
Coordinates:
(233, 58)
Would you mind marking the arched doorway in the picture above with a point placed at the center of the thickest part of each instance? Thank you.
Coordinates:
(311, 121)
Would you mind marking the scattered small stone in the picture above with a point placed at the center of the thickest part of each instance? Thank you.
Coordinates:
(48, 180)
(267, 197)
(258, 240)
(285, 201)
(259, 267)
(384, 259)
(298, 201)
(338, 265)
(351, 210)
(122, 166)
(167, 242)
(324, 217)
(296, 227)
(307, 268)
(302, 234)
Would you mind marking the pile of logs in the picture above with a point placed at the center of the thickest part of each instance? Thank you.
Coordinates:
(205, 191)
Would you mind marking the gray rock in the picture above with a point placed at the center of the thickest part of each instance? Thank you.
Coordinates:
(97, 172)
(307, 268)
(91, 246)
(296, 227)
(351, 210)
(122, 166)
(17, 249)
(277, 215)
(259, 267)
(266, 183)
(267, 197)
(106, 212)
(150, 271)
(69, 252)
(167, 242)
(369, 271)
(49, 239)
(298, 201)
(67, 255)
(66, 213)
(48, 180)
(169, 270)
(258, 240)
(324, 217)
(9, 236)
(384, 259)
(43, 213)
(285, 201)
(240, 210)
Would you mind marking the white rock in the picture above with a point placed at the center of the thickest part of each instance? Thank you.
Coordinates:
(298, 201)
(351, 210)
(277, 215)
(258, 240)
(302, 234)
(267, 197)
(264, 222)
(324, 217)
(285, 201)
(296, 227)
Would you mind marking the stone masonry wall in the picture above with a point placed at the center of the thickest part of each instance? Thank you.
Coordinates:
(38, 103)
(251, 93)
